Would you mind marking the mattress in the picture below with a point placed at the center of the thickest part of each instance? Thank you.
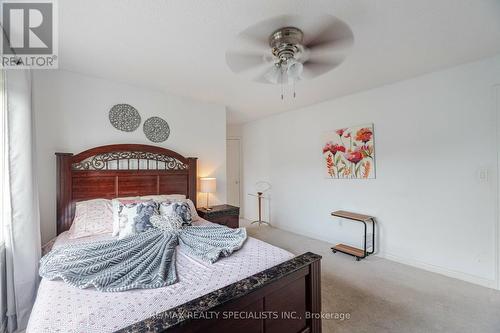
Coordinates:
(62, 308)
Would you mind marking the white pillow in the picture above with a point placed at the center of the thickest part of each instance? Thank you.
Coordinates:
(164, 197)
(92, 217)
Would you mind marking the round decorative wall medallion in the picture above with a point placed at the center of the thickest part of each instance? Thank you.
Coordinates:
(156, 129)
(124, 117)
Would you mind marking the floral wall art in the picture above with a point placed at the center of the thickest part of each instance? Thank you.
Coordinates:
(349, 153)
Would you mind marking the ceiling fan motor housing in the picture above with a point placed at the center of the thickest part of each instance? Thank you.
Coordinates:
(286, 43)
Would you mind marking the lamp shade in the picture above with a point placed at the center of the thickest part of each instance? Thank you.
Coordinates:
(208, 185)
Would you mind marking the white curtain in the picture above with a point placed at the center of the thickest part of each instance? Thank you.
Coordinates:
(21, 220)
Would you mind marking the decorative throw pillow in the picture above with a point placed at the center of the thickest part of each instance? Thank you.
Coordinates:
(92, 217)
(115, 204)
(166, 223)
(174, 197)
(158, 198)
(174, 209)
(135, 217)
(194, 213)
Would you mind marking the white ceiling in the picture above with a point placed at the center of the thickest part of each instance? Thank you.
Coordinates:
(179, 46)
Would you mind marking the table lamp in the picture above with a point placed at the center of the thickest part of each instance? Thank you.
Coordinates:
(208, 185)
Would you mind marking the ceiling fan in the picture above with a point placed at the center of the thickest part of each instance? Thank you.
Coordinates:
(287, 49)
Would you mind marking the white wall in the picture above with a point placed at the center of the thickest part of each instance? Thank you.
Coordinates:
(72, 115)
(433, 135)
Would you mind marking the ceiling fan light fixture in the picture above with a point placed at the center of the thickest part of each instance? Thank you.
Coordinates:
(294, 70)
(274, 75)
(286, 46)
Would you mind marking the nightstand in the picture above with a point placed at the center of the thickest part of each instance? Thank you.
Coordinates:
(222, 214)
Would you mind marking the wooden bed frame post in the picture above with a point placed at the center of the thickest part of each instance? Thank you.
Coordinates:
(192, 164)
(313, 288)
(64, 209)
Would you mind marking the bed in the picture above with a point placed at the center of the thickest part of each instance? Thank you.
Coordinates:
(259, 288)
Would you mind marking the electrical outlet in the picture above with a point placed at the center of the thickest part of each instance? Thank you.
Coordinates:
(483, 175)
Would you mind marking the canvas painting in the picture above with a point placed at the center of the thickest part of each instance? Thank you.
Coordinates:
(349, 153)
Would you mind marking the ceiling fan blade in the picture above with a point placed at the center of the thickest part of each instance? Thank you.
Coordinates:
(325, 58)
(331, 35)
(315, 68)
(240, 62)
(258, 35)
(333, 46)
(253, 41)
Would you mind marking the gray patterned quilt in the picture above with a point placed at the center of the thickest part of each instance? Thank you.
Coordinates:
(145, 260)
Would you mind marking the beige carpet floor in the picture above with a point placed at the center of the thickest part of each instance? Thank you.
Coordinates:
(384, 296)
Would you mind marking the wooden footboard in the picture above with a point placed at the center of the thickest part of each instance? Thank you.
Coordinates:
(283, 298)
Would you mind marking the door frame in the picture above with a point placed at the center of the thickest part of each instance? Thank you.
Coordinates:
(240, 169)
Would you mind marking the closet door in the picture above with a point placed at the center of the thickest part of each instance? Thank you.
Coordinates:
(233, 172)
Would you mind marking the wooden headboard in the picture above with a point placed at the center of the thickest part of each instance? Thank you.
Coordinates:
(120, 171)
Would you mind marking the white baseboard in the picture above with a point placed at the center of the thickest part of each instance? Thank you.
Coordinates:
(441, 270)
(407, 261)
(308, 234)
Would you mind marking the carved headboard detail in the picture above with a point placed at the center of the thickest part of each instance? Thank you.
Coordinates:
(120, 171)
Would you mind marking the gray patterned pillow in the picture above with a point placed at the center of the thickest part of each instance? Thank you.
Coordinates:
(172, 208)
(135, 217)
